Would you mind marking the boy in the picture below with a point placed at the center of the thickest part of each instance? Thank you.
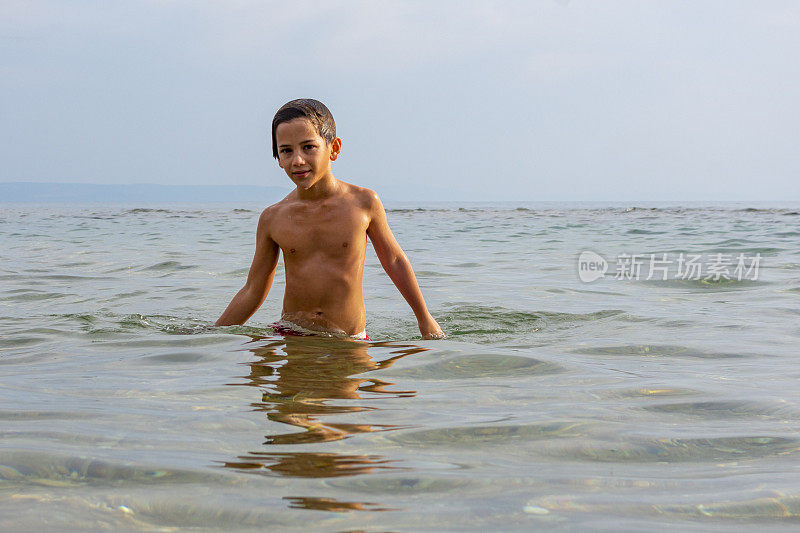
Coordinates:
(322, 228)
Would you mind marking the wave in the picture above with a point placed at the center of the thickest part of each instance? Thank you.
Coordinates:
(477, 367)
(489, 324)
(472, 436)
(657, 350)
(168, 265)
(675, 450)
(775, 508)
(577, 208)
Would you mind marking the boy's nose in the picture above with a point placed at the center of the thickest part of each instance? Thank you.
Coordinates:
(298, 160)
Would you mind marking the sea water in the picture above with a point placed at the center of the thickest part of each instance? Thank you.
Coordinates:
(654, 396)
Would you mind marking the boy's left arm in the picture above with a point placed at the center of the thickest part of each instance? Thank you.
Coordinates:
(398, 267)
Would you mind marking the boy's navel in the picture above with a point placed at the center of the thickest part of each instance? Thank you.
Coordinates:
(344, 245)
(291, 251)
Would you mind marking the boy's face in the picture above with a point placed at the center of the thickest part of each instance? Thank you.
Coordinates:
(303, 154)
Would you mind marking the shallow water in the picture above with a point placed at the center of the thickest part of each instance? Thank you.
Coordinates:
(616, 404)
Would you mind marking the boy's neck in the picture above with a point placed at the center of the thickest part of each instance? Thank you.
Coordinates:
(325, 187)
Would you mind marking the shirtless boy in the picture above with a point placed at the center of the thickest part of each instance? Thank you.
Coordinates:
(322, 228)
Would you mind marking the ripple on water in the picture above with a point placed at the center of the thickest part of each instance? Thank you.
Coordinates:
(123, 295)
(19, 341)
(657, 350)
(16, 415)
(747, 251)
(639, 231)
(478, 366)
(723, 409)
(102, 325)
(178, 357)
(715, 449)
(170, 341)
(25, 295)
(474, 322)
(430, 274)
(400, 485)
(707, 285)
(39, 468)
(167, 266)
(66, 277)
(650, 392)
(781, 507)
(60, 438)
(479, 435)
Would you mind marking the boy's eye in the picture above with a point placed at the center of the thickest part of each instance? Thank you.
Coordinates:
(284, 150)
(309, 146)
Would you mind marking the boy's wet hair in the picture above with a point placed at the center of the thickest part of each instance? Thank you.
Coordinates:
(313, 110)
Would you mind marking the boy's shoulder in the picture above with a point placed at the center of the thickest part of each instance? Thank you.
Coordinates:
(364, 197)
(271, 210)
(348, 194)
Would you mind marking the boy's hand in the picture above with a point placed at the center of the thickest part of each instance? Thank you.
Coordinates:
(430, 329)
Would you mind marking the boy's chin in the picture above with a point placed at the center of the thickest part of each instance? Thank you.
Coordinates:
(301, 183)
(305, 184)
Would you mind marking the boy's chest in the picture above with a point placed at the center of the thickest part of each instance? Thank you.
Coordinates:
(334, 231)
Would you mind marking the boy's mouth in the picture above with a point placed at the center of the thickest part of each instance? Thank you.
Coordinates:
(301, 174)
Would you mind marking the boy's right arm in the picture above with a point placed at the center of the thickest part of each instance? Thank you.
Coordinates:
(259, 279)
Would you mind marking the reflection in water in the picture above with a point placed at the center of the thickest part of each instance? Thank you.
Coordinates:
(311, 464)
(330, 504)
(299, 377)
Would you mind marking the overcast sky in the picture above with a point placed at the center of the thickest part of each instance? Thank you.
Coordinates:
(494, 100)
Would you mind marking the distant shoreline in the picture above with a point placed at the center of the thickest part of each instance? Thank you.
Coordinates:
(153, 193)
(39, 192)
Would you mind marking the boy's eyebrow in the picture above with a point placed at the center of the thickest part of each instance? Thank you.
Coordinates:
(308, 141)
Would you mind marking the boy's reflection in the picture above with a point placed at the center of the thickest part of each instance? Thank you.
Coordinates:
(299, 376)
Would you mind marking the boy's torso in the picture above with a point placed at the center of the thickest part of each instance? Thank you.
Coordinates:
(323, 244)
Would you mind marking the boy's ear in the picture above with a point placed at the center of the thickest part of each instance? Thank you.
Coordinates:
(336, 147)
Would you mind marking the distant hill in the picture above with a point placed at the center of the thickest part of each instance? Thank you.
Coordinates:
(140, 192)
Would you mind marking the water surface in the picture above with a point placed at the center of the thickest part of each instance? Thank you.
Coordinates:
(617, 404)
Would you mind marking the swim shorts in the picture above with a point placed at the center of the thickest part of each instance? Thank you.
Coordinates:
(290, 329)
